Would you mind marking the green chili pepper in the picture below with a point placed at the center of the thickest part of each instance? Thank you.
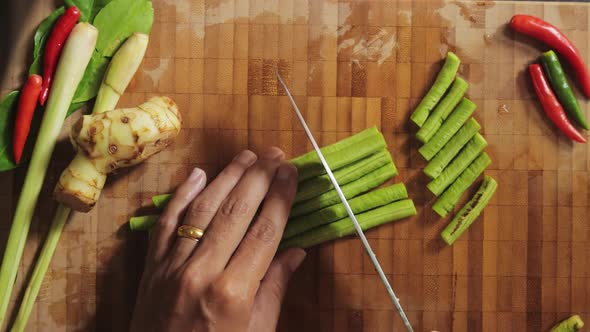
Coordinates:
(561, 87)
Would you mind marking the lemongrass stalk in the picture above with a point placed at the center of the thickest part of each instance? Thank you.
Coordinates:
(120, 72)
(70, 69)
(118, 75)
(57, 225)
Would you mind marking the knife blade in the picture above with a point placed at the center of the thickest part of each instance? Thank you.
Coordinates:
(351, 215)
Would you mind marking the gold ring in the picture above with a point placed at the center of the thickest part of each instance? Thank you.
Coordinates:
(190, 232)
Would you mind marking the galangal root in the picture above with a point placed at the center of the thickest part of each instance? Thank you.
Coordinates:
(114, 139)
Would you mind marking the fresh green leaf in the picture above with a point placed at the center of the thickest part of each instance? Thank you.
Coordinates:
(7, 116)
(118, 20)
(74, 107)
(85, 7)
(98, 6)
(44, 28)
(88, 87)
(88, 8)
(41, 35)
(35, 66)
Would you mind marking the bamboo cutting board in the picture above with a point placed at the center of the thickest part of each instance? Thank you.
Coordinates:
(522, 266)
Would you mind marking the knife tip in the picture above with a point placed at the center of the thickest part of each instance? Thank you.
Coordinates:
(280, 78)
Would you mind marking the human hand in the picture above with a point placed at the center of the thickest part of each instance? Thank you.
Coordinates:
(230, 280)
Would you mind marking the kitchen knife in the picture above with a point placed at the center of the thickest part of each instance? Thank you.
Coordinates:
(357, 226)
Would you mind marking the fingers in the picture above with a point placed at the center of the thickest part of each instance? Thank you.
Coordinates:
(235, 214)
(165, 229)
(267, 305)
(204, 207)
(256, 251)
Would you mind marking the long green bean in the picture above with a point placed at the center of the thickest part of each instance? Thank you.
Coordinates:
(160, 201)
(470, 211)
(343, 227)
(320, 184)
(350, 190)
(441, 84)
(442, 110)
(337, 211)
(436, 166)
(458, 165)
(340, 154)
(572, 324)
(451, 125)
(143, 223)
(446, 202)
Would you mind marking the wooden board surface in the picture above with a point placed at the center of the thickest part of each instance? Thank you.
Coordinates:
(522, 266)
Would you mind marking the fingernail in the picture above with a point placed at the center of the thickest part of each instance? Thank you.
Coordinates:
(196, 175)
(246, 157)
(273, 153)
(286, 171)
(297, 258)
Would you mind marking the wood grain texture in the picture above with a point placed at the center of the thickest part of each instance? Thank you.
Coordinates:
(523, 265)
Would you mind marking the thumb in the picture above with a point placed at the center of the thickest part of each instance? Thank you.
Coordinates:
(267, 305)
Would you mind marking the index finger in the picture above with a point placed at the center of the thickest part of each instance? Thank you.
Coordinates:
(256, 251)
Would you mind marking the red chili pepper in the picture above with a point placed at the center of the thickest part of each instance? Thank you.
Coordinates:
(551, 105)
(26, 107)
(55, 44)
(550, 35)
